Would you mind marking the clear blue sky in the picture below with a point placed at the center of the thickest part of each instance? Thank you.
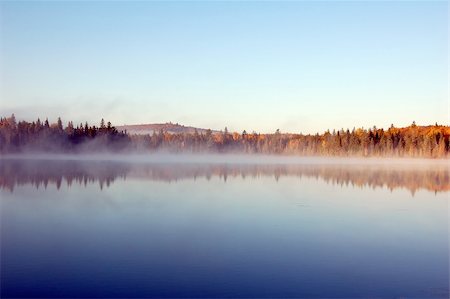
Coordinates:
(297, 66)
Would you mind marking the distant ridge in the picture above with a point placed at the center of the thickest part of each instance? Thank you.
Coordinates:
(169, 127)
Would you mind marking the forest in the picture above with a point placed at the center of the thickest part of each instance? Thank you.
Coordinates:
(37, 136)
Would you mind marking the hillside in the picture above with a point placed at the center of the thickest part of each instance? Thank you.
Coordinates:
(171, 128)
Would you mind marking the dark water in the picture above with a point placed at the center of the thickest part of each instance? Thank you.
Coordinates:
(112, 229)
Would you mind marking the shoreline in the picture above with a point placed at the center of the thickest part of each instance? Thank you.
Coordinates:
(228, 158)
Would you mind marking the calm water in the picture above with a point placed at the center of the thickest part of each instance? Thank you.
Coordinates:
(116, 229)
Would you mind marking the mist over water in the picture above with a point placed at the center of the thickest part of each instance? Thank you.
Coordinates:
(223, 226)
(207, 158)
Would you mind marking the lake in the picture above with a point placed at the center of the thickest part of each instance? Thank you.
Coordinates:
(198, 228)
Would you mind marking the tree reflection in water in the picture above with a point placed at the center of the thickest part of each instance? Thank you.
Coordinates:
(41, 173)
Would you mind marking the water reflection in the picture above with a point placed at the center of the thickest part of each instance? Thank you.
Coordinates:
(222, 230)
(41, 173)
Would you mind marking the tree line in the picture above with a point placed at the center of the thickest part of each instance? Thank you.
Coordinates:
(412, 141)
(38, 136)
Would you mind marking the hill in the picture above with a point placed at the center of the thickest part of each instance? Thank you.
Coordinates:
(171, 128)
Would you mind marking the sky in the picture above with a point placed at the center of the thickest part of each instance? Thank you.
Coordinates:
(295, 66)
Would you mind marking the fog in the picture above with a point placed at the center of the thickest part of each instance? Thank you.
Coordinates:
(233, 159)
